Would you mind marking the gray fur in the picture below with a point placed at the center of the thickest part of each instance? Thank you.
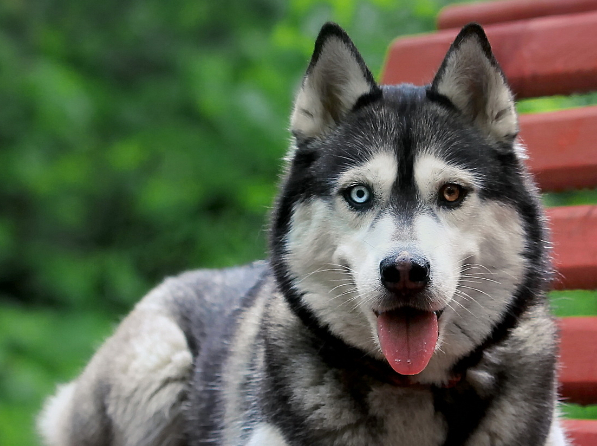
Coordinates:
(286, 352)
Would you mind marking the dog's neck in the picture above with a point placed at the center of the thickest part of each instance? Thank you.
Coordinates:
(355, 364)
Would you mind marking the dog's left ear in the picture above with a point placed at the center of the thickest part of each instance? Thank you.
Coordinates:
(472, 80)
(336, 79)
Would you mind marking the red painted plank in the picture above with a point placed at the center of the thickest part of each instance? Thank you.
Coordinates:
(456, 16)
(578, 358)
(574, 236)
(581, 432)
(562, 148)
(545, 56)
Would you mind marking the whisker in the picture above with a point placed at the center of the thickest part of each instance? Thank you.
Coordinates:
(455, 301)
(477, 290)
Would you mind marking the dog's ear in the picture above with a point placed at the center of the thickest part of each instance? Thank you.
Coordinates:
(472, 80)
(336, 79)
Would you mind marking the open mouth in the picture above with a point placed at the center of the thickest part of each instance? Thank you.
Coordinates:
(408, 338)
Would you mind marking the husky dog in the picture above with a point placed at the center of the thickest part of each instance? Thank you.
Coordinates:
(403, 302)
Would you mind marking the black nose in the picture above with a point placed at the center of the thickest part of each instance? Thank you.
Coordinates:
(404, 273)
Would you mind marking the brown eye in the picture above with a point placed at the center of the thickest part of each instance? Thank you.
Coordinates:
(451, 194)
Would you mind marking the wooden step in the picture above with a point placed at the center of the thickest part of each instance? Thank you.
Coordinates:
(574, 235)
(582, 432)
(456, 16)
(562, 148)
(578, 358)
(544, 56)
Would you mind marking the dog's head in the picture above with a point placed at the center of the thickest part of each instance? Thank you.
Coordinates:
(406, 224)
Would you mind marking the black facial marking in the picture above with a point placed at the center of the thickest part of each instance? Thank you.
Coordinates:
(367, 99)
(440, 99)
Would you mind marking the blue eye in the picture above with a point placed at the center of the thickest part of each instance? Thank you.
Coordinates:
(358, 195)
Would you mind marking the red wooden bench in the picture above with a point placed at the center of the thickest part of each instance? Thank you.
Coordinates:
(545, 47)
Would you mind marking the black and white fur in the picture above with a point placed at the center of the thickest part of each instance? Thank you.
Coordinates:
(286, 352)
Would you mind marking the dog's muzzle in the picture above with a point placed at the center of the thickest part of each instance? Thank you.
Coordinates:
(407, 335)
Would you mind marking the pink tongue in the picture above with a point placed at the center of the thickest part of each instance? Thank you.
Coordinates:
(407, 339)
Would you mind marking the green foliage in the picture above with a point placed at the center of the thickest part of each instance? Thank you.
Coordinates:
(39, 347)
(551, 103)
(570, 198)
(574, 302)
(579, 412)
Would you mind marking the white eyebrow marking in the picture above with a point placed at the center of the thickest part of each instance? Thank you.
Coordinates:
(380, 172)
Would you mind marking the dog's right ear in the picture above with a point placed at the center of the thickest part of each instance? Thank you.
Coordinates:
(472, 80)
(336, 79)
